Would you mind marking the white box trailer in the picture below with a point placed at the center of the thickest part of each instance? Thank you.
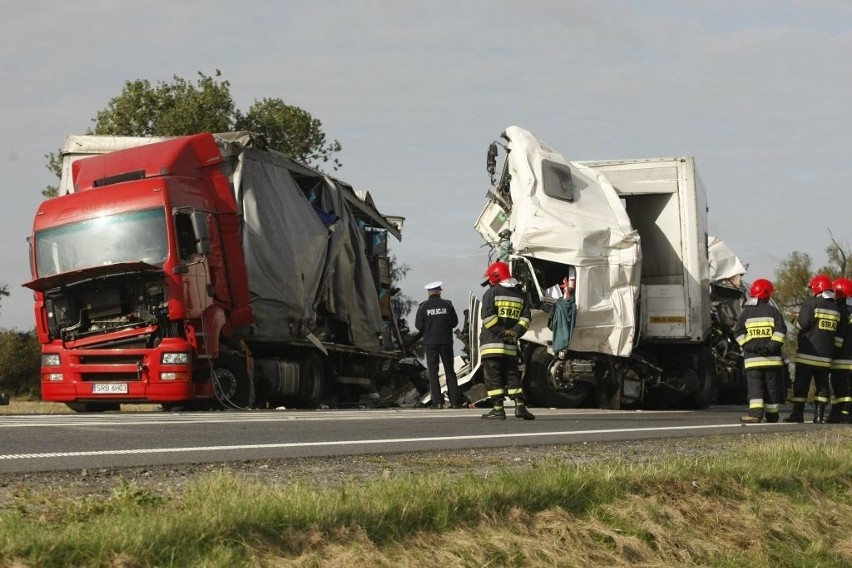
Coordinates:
(667, 205)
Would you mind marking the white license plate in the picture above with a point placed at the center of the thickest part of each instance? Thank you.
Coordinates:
(109, 388)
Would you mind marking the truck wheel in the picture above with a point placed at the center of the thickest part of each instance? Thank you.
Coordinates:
(311, 381)
(231, 383)
(93, 406)
(707, 381)
(543, 393)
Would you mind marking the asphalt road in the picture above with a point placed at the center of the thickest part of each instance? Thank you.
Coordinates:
(30, 443)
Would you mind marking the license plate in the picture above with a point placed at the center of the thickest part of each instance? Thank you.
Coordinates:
(109, 388)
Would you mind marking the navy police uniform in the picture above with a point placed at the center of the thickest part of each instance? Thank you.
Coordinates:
(436, 318)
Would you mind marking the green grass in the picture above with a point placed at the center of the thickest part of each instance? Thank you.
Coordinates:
(778, 502)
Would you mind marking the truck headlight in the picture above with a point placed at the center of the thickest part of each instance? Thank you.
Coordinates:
(175, 358)
(50, 360)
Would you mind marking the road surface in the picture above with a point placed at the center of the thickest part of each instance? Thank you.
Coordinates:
(32, 443)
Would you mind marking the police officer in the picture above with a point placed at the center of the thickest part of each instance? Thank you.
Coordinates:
(505, 318)
(841, 364)
(760, 331)
(436, 318)
(818, 323)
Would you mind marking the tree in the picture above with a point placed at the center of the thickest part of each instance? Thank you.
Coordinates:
(791, 280)
(795, 272)
(4, 290)
(20, 362)
(182, 107)
(290, 130)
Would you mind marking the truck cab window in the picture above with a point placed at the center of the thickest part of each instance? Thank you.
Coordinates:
(185, 236)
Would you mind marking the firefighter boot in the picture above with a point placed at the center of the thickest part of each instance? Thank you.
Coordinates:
(797, 414)
(751, 418)
(522, 412)
(497, 413)
(819, 412)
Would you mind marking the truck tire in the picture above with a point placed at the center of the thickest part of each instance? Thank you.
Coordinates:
(707, 381)
(232, 385)
(542, 393)
(93, 406)
(311, 381)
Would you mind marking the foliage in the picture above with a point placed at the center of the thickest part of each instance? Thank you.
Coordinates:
(791, 279)
(795, 272)
(4, 290)
(168, 109)
(182, 107)
(20, 362)
(291, 130)
(405, 303)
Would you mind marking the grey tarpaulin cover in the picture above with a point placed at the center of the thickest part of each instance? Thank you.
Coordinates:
(304, 253)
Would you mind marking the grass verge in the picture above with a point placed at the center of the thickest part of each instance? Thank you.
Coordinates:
(779, 502)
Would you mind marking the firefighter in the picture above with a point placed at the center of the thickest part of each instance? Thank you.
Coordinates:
(841, 364)
(505, 318)
(818, 322)
(760, 331)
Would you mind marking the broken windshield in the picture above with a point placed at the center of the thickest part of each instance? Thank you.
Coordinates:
(125, 237)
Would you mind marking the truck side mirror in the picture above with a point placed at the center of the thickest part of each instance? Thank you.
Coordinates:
(199, 226)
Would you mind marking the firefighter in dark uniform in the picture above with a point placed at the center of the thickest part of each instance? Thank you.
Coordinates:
(505, 318)
(760, 331)
(818, 323)
(841, 364)
(436, 319)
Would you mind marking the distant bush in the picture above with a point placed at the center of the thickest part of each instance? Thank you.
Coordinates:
(20, 362)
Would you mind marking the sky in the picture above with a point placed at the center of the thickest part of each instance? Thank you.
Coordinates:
(759, 92)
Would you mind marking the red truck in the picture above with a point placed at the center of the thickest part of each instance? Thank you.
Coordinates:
(209, 271)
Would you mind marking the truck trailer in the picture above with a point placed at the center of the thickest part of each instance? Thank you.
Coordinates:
(650, 314)
(210, 271)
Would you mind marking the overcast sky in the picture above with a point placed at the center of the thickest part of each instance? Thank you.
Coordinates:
(760, 92)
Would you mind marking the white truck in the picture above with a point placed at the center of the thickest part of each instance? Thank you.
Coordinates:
(651, 311)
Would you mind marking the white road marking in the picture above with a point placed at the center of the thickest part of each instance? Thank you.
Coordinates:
(136, 451)
(176, 418)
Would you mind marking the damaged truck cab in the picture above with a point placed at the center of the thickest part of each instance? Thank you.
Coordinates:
(634, 235)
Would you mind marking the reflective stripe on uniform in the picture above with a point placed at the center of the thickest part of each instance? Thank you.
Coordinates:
(501, 348)
(763, 362)
(813, 360)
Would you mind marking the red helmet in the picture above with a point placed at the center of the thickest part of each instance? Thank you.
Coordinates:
(761, 289)
(842, 288)
(498, 272)
(819, 284)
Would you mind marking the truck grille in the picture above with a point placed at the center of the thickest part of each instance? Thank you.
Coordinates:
(97, 367)
(109, 377)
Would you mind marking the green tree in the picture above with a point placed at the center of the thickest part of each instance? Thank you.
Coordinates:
(791, 280)
(20, 362)
(291, 130)
(795, 272)
(182, 107)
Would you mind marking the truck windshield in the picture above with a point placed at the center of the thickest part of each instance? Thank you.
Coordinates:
(125, 237)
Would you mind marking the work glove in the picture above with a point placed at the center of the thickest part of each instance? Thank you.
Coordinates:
(510, 336)
(761, 350)
(774, 348)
